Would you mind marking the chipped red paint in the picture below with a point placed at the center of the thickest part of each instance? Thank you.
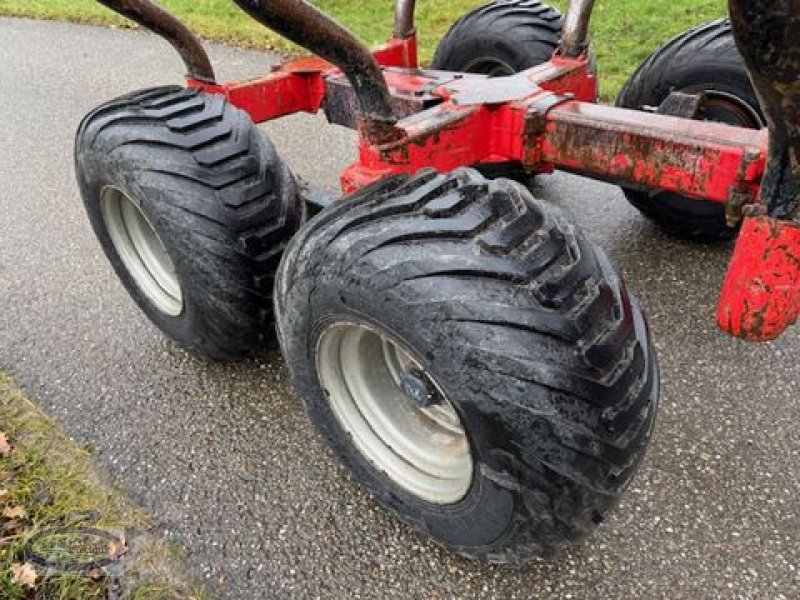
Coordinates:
(546, 118)
(761, 294)
(443, 137)
(298, 85)
(532, 121)
(694, 158)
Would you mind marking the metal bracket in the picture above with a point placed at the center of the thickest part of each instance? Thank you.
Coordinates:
(681, 104)
(538, 109)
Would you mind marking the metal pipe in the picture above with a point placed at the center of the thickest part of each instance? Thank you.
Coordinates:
(305, 25)
(575, 38)
(766, 33)
(159, 21)
(404, 19)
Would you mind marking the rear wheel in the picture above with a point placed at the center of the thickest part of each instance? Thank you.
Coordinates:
(702, 60)
(193, 208)
(500, 39)
(472, 358)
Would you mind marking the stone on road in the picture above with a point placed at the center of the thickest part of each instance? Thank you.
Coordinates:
(222, 454)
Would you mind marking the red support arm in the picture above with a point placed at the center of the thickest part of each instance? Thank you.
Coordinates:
(298, 85)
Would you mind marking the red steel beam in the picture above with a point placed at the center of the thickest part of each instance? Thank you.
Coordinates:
(543, 118)
(694, 158)
(297, 85)
(710, 161)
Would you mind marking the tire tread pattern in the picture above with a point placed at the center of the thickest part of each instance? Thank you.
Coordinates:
(503, 274)
(519, 22)
(235, 207)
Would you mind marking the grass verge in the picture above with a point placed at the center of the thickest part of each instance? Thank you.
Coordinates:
(47, 481)
(625, 31)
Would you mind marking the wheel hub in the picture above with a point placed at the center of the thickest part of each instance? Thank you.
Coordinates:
(721, 107)
(395, 413)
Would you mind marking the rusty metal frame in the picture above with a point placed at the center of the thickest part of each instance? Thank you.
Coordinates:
(303, 24)
(547, 118)
(574, 40)
(159, 21)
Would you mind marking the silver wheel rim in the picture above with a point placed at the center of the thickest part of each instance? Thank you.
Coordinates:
(396, 415)
(141, 251)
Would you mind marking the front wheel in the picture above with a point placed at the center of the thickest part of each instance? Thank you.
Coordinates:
(472, 358)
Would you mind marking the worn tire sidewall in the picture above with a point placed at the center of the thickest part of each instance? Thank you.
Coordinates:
(484, 516)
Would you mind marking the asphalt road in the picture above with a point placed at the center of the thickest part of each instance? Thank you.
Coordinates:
(222, 455)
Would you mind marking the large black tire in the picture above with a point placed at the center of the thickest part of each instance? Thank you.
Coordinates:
(704, 59)
(512, 315)
(213, 190)
(501, 38)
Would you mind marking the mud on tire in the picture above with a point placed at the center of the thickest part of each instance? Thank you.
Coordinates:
(510, 314)
(220, 203)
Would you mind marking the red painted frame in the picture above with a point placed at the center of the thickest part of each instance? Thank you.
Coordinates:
(546, 118)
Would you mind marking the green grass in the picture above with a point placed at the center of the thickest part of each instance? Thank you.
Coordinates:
(51, 478)
(625, 31)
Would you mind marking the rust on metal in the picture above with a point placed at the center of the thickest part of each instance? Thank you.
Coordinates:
(767, 33)
(574, 41)
(311, 83)
(761, 294)
(411, 92)
(697, 159)
(742, 200)
(303, 24)
(151, 16)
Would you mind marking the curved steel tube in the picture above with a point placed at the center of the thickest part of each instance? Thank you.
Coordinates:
(576, 28)
(305, 25)
(404, 19)
(159, 21)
